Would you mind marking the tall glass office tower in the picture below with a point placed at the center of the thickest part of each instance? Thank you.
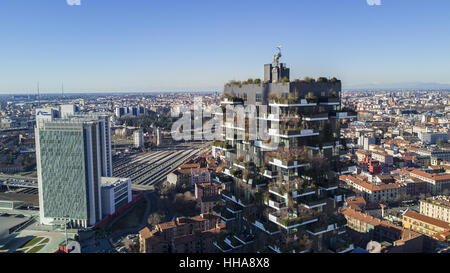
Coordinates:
(72, 154)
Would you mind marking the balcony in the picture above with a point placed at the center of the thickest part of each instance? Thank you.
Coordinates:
(222, 246)
(317, 145)
(270, 117)
(270, 174)
(221, 178)
(291, 103)
(346, 169)
(264, 146)
(278, 191)
(342, 247)
(237, 200)
(276, 205)
(268, 228)
(292, 133)
(274, 248)
(303, 192)
(311, 202)
(239, 166)
(329, 101)
(245, 239)
(258, 180)
(222, 145)
(317, 229)
(316, 117)
(289, 222)
(328, 184)
(287, 164)
(224, 214)
(233, 242)
(232, 101)
(344, 115)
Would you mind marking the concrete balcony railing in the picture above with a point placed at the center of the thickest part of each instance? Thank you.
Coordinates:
(318, 230)
(278, 192)
(270, 174)
(287, 164)
(344, 115)
(329, 101)
(316, 117)
(301, 103)
(276, 205)
(232, 101)
(292, 133)
(264, 146)
(271, 117)
(311, 203)
(268, 228)
(347, 170)
(291, 222)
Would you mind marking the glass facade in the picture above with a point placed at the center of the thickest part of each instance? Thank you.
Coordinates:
(64, 173)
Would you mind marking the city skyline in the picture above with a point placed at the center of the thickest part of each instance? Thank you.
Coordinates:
(119, 47)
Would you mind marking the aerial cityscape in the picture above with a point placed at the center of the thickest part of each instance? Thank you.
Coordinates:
(265, 159)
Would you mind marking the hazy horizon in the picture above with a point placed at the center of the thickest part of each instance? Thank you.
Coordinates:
(199, 45)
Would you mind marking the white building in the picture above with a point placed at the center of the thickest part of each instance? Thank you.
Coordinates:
(72, 153)
(138, 139)
(115, 193)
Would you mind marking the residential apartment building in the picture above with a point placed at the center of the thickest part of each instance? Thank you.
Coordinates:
(366, 228)
(183, 235)
(280, 192)
(373, 191)
(437, 183)
(208, 195)
(424, 224)
(437, 207)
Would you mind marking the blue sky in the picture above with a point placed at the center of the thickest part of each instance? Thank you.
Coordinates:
(145, 45)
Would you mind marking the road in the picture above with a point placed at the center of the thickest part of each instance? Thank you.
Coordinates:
(151, 207)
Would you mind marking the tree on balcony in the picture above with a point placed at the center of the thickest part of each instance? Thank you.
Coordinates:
(289, 154)
(309, 80)
(322, 79)
(311, 98)
(319, 169)
(327, 134)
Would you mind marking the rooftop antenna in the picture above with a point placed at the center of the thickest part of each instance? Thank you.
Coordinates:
(39, 96)
(279, 48)
(62, 90)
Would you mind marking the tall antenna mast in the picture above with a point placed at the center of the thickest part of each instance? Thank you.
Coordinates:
(62, 90)
(39, 96)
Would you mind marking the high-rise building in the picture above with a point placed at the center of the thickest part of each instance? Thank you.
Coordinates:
(284, 194)
(138, 138)
(137, 111)
(72, 154)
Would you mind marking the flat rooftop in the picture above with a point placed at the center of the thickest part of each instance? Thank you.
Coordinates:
(9, 221)
(112, 181)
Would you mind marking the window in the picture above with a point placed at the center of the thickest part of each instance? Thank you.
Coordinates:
(258, 97)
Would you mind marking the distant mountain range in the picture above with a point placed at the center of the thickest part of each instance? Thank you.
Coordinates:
(401, 86)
